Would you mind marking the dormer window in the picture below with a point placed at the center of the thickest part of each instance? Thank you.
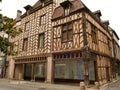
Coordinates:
(42, 2)
(66, 5)
(28, 8)
(66, 11)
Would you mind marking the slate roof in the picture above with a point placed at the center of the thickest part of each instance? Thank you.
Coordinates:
(76, 5)
(36, 7)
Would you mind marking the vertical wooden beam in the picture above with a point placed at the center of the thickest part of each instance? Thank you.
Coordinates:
(85, 51)
(84, 30)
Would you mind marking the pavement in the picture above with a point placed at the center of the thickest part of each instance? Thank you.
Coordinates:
(24, 85)
(115, 85)
(6, 84)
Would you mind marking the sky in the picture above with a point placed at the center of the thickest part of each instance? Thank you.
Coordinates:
(109, 9)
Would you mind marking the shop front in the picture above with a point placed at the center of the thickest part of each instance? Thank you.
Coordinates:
(71, 68)
(30, 69)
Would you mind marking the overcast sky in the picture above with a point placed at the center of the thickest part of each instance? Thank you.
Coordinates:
(109, 9)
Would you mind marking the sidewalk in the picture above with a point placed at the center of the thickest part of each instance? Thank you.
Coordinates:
(45, 86)
(106, 86)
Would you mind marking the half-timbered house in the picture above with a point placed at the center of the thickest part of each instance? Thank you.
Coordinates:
(62, 40)
(82, 44)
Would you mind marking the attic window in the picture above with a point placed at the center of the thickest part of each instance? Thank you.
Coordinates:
(66, 5)
(66, 11)
(42, 2)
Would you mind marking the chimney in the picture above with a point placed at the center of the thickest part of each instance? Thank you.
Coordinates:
(28, 8)
(18, 16)
(97, 14)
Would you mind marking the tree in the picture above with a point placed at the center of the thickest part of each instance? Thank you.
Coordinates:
(7, 25)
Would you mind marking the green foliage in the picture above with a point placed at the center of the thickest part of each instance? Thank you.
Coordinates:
(7, 25)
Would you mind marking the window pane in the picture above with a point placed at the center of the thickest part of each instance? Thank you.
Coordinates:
(94, 38)
(64, 28)
(42, 19)
(67, 10)
(25, 44)
(64, 35)
(40, 70)
(41, 40)
(27, 26)
(69, 26)
(70, 35)
(91, 71)
(28, 70)
(69, 70)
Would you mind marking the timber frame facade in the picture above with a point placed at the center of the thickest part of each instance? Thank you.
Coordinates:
(64, 43)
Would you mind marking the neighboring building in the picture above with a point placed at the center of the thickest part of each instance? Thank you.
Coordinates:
(62, 40)
(115, 53)
(34, 44)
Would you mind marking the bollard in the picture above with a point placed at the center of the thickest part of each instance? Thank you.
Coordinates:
(97, 85)
(82, 86)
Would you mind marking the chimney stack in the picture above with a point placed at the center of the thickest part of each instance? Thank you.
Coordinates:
(18, 16)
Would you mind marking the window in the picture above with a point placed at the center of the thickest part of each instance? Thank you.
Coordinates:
(41, 40)
(27, 26)
(25, 44)
(69, 70)
(109, 44)
(67, 32)
(67, 11)
(94, 35)
(42, 2)
(42, 20)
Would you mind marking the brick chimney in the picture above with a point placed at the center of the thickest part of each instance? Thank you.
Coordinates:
(18, 16)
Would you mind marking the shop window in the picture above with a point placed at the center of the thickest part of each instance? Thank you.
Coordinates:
(28, 70)
(25, 44)
(91, 70)
(41, 40)
(40, 70)
(67, 32)
(69, 70)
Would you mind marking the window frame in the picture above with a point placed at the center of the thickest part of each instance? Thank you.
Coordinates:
(27, 26)
(42, 20)
(39, 40)
(67, 30)
(67, 11)
(25, 44)
(93, 34)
